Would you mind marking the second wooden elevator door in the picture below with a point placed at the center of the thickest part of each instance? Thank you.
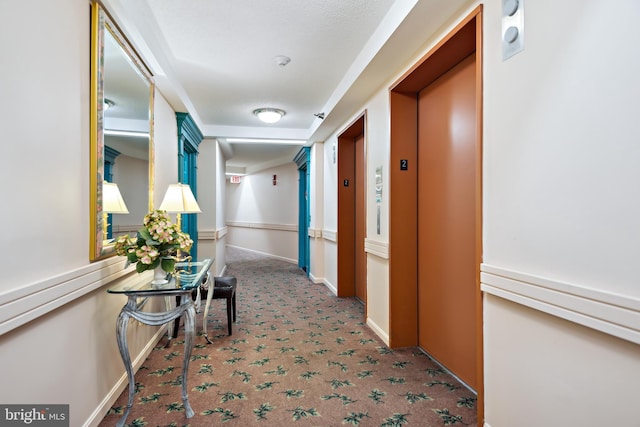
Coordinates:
(447, 219)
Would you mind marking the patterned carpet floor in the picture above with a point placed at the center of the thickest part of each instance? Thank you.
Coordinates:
(298, 356)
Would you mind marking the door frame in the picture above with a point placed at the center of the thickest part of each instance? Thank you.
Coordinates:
(461, 41)
(302, 161)
(347, 219)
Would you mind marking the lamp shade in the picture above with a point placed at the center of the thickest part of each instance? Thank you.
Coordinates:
(112, 201)
(179, 199)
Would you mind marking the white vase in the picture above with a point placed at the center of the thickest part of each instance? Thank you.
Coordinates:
(159, 276)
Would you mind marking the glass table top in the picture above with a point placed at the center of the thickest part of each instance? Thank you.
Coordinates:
(188, 276)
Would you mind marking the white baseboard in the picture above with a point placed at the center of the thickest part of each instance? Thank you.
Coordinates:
(98, 414)
(291, 260)
(378, 331)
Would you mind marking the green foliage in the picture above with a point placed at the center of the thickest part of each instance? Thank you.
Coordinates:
(246, 377)
(413, 398)
(448, 418)
(342, 397)
(161, 372)
(267, 385)
(156, 243)
(200, 357)
(377, 395)
(308, 375)
(343, 367)
(370, 360)
(299, 360)
(384, 350)
(262, 410)
(355, 418)
(336, 383)
(364, 374)
(278, 371)
(434, 372)
(400, 364)
(151, 398)
(172, 355)
(205, 386)
(466, 402)
(175, 407)
(260, 362)
(293, 393)
(395, 420)
(226, 414)
(449, 386)
(205, 369)
(227, 396)
(300, 412)
(138, 422)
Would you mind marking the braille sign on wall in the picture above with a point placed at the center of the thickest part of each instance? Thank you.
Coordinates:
(404, 164)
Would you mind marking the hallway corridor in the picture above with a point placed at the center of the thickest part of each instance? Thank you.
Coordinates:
(298, 356)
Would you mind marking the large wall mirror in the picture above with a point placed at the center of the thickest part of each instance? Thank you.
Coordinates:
(121, 136)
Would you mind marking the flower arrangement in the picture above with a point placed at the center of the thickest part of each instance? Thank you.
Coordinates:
(157, 243)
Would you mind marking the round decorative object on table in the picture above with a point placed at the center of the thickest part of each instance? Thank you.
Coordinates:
(159, 276)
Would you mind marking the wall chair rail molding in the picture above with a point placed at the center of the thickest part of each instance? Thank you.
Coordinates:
(22, 305)
(377, 248)
(264, 226)
(613, 314)
(207, 235)
(314, 233)
(221, 232)
(330, 235)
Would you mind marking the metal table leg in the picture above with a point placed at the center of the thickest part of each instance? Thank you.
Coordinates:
(130, 310)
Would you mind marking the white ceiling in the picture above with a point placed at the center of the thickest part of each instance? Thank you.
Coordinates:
(216, 59)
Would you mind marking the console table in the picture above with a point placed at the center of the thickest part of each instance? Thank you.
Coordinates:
(188, 277)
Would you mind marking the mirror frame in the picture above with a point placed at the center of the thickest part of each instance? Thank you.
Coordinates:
(101, 22)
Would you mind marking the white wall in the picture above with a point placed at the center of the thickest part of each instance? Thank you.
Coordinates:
(221, 219)
(561, 159)
(135, 173)
(44, 113)
(316, 213)
(560, 217)
(263, 217)
(55, 314)
(211, 198)
(207, 195)
(560, 214)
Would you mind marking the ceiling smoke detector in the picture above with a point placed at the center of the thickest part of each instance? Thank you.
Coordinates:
(282, 60)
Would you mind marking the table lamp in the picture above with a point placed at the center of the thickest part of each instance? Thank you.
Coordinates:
(112, 203)
(179, 199)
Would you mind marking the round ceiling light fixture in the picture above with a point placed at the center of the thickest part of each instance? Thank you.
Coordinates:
(269, 115)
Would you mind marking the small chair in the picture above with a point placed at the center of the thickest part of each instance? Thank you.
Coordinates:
(223, 287)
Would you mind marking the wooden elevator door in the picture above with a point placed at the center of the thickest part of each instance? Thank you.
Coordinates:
(447, 220)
